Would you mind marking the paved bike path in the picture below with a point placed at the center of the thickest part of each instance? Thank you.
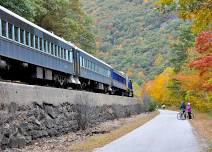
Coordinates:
(164, 133)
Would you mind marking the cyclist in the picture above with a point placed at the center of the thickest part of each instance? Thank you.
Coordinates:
(189, 110)
(183, 107)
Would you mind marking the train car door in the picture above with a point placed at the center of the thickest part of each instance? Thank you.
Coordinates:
(76, 56)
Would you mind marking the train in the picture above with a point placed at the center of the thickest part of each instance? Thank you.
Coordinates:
(34, 55)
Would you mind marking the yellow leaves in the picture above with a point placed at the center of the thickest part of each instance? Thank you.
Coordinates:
(199, 12)
(157, 88)
(202, 20)
(164, 2)
(136, 89)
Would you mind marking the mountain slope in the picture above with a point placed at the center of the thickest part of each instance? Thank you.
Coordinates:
(133, 35)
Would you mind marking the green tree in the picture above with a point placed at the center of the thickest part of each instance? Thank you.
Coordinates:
(63, 17)
(179, 48)
(25, 8)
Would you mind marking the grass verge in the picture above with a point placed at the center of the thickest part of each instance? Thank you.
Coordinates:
(97, 141)
(203, 125)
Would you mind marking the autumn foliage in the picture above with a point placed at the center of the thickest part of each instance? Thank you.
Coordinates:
(204, 42)
(204, 46)
(193, 83)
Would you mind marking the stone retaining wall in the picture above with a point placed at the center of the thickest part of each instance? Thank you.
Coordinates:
(21, 122)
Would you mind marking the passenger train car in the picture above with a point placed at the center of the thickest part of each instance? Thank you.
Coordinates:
(34, 55)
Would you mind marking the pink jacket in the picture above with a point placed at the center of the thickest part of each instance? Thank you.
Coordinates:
(188, 108)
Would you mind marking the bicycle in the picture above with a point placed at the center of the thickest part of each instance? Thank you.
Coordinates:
(181, 115)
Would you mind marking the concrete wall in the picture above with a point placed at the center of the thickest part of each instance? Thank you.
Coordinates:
(26, 94)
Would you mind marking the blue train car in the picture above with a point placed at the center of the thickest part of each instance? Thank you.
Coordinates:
(31, 53)
(23, 41)
(95, 71)
(118, 82)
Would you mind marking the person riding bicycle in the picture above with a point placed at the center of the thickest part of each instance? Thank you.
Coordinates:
(189, 110)
(183, 107)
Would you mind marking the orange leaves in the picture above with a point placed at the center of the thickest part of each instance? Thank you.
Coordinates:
(189, 82)
(204, 42)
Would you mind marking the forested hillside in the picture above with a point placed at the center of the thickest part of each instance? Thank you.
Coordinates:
(164, 45)
(189, 77)
(65, 18)
(134, 36)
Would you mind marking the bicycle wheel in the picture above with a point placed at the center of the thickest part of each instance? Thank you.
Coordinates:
(179, 116)
(184, 115)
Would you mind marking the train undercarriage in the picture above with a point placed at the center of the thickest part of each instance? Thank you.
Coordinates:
(17, 71)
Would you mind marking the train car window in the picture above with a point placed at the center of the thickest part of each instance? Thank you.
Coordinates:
(85, 63)
(41, 44)
(36, 42)
(27, 38)
(21, 36)
(97, 68)
(80, 61)
(108, 73)
(94, 67)
(59, 50)
(49, 47)
(62, 53)
(3, 28)
(16, 33)
(65, 54)
(91, 65)
(55, 50)
(31, 40)
(10, 31)
(70, 56)
(52, 48)
(88, 64)
(45, 46)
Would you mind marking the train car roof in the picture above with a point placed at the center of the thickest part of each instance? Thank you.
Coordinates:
(94, 57)
(34, 25)
(120, 73)
(50, 33)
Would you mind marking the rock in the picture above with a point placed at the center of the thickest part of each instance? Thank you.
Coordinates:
(17, 142)
(28, 139)
(35, 134)
(53, 132)
(4, 140)
(48, 123)
(12, 108)
(49, 110)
